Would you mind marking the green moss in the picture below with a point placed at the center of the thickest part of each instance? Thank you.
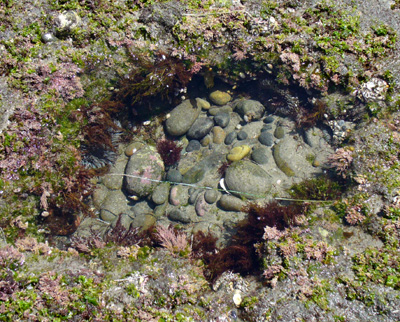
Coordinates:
(320, 188)
(378, 265)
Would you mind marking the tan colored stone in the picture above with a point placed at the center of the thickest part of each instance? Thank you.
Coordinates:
(132, 148)
(220, 98)
(219, 135)
(203, 103)
(238, 153)
(206, 141)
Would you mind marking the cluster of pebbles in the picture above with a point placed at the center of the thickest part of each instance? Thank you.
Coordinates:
(263, 154)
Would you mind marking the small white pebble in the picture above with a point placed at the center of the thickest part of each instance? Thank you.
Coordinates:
(237, 298)
(145, 123)
(278, 181)
(238, 127)
(167, 116)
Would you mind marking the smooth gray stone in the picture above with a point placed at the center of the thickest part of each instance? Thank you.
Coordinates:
(193, 145)
(279, 132)
(230, 138)
(182, 117)
(160, 193)
(211, 196)
(242, 135)
(231, 203)
(247, 179)
(179, 215)
(250, 110)
(174, 175)
(200, 128)
(269, 119)
(193, 195)
(259, 155)
(266, 138)
(222, 119)
(266, 127)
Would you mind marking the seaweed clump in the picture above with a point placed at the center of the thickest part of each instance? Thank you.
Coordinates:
(307, 118)
(101, 133)
(160, 76)
(241, 255)
(169, 151)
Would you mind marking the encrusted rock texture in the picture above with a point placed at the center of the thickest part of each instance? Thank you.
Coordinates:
(266, 106)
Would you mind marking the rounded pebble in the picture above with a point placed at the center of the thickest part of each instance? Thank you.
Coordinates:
(160, 193)
(266, 138)
(242, 135)
(203, 103)
(193, 195)
(181, 119)
(266, 128)
(133, 148)
(174, 175)
(222, 119)
(178, 195)
(231, 203)
(214, 111)
(205, 141)
(230, 138)
(200, 128)
(201, 206)
(279, 132)
(220, 98)
(179, 215)
(269, 119)
(259, 155)
(48, 37)
(211, 196)
(219, 135)
(238, 153)
(193, 145)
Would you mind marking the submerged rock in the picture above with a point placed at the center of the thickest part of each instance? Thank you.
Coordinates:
(279, 132)
(246, 179)
(266, 138)
(250, 110)
(280, 162)
(182, 117)
(259, 155)
(200, 128)
(197, 172)
(160, 193)
(218, 135)
(145, 164)
(220, 98)
(231, 203)
(222, 119)
(238, 153)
